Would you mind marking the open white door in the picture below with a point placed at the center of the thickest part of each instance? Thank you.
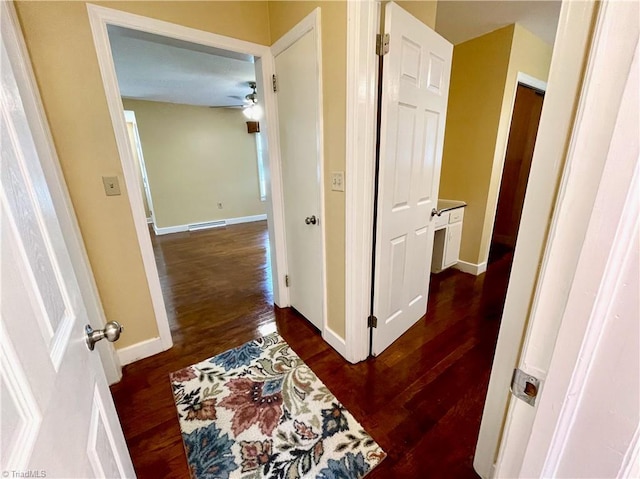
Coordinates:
(297, 63)
(581, 340)
(415, 89)
(58, 418)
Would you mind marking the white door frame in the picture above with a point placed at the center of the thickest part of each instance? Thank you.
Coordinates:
(363, 20)
(99, 18)
(130, 117)
(565, 80)
(34, 110)
(312, 23)
(590, 196)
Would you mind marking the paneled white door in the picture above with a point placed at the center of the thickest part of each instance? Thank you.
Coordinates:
(58, 417)
(297, 68)
(415, 88)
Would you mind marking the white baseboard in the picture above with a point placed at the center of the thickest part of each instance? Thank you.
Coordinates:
(165, 230)
(140, 350)
(246, 219)
(471, 268)
(335, 341)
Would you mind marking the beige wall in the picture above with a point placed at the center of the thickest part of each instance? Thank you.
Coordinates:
(478, 77)
(61, 48)
(282, 17)
(483, 84)
(197, 157)
(423, 10)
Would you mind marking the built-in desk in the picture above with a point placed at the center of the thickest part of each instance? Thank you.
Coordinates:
(448, 234)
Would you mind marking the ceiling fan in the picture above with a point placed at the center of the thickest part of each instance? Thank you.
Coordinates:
(249, 104)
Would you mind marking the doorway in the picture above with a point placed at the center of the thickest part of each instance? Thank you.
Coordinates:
(515, 174)
(193, 116)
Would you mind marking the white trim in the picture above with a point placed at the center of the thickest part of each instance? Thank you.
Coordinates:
(141, 350)
(631, 463)
(528, 80)
(304, 26)
(265, 68)
(335, 341)
(223, 222)
(624, 241)
(471, 268)
(167, 230)
(130, 117)
(246, 219)
(99, 18)
(312, 23)
(565, 80)
(584, 236)
(363, 18)
(50, 162)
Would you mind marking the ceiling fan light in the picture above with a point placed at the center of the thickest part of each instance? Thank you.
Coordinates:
(253, 112)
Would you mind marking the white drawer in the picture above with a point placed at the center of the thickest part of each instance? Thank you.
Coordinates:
(442, 220)
(456, 215)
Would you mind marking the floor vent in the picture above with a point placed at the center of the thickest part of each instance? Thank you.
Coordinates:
(207, 225)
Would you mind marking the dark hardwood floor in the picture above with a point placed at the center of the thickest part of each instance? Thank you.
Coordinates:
(421, 400)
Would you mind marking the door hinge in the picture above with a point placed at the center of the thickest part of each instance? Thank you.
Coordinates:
(525, 386)
(372, 322)
(286, 280)
(274, 81)
(382, 44)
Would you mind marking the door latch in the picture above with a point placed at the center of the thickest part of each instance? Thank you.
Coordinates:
(525, 386)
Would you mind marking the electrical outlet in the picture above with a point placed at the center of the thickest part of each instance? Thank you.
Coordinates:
(111, 185)
(337, 180)
(220, 205)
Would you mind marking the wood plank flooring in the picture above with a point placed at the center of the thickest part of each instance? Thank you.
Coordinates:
(422, 399)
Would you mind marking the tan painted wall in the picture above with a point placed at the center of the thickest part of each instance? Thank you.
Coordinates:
(483, 84)
(61, 48)
(478, 76)
(195, 158)
(282, 17)
(423, 10)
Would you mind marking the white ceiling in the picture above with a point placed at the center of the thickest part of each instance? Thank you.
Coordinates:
(152, 67)
(459, 21)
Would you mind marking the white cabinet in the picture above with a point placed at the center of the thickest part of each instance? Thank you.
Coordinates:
(447, 237)
(452, 249)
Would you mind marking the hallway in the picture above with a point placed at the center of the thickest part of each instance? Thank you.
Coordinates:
(421, 400)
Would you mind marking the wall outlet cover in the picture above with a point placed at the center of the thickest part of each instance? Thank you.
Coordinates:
(337, 180)
(111, 185)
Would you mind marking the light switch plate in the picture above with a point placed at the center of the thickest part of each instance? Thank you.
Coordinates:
(337, 180)
(111, 185)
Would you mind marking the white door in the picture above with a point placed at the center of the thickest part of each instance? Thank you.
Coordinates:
(58, 417)
(574, 325)
(298, 93)
(415, 87)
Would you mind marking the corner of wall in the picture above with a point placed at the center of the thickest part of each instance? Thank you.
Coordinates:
(531, 55)
(476, 96)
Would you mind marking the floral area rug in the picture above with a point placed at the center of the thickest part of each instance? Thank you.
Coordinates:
(258, 411)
